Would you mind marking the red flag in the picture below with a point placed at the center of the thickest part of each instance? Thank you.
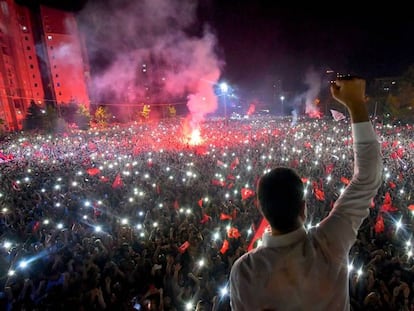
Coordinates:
(176, 205)
(104, 179)
(217, 182)
(329, 168)
(394, 155)
(345, 180)
(411, 207)
(118, 183)
(392, 185)
(387, 204)
(92, 146)
(205, 219)
(200, 202)
(224, 247)
(224, 216)
(259, 232)
(36, 226)
(246, 193)
(233, 233)
(231, 177)
(320, 195)
(93, 171)
(304, 180)
(220, 163)
(184, 247)
(379, 224)
(234, 164)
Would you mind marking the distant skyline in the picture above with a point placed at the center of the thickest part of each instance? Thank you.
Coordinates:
(261, 40)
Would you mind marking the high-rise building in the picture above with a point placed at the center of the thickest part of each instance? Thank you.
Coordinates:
(42, 59)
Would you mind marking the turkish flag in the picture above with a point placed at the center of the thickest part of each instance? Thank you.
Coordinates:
(246, 193)
(184, 247)
(387, 204)
(233, 233)
(259, 232)
(224, 216)
(206, 218)
(224, 247)
(118, 183)
(379, 225)
(234, 164)
(329, 168)
(345, 180)
(217, 182)
(93, 171)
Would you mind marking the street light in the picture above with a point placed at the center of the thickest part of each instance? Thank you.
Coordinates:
(282, 98)
(224, 89)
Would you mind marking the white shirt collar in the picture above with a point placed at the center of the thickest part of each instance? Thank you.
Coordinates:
(270, 240)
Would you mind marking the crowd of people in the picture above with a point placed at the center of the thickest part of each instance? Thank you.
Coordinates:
(139, 217)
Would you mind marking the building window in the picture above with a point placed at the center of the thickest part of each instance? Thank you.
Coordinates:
(31, 66)
(56, 75)
(58, 84)
(49, 37)
(35, 85)
(28, 48)
(30, 57)
(60, 93)
(26, 38)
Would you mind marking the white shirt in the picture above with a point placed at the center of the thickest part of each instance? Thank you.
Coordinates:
(308, 270)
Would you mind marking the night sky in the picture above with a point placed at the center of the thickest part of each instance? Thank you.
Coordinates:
(260, 40)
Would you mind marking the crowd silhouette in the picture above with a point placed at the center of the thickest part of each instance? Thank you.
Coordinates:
(137, 218)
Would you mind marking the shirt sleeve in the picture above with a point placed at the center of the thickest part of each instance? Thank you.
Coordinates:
(363, 132)
(339, 230)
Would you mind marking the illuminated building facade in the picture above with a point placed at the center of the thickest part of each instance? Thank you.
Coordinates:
(42, 59)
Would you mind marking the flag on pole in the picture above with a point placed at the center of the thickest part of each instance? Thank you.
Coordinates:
(264, 225)
(338, 116)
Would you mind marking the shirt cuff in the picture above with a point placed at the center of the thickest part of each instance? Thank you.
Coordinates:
(363, 132)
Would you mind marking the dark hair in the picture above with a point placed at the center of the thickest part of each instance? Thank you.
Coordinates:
(281, 194)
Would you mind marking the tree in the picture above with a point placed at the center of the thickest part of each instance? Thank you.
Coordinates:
(51, 121)
(401, 105)
(102, 116)
(34, 117)
(82, 117)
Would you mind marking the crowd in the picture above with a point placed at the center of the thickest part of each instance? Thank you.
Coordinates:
(139, 218)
